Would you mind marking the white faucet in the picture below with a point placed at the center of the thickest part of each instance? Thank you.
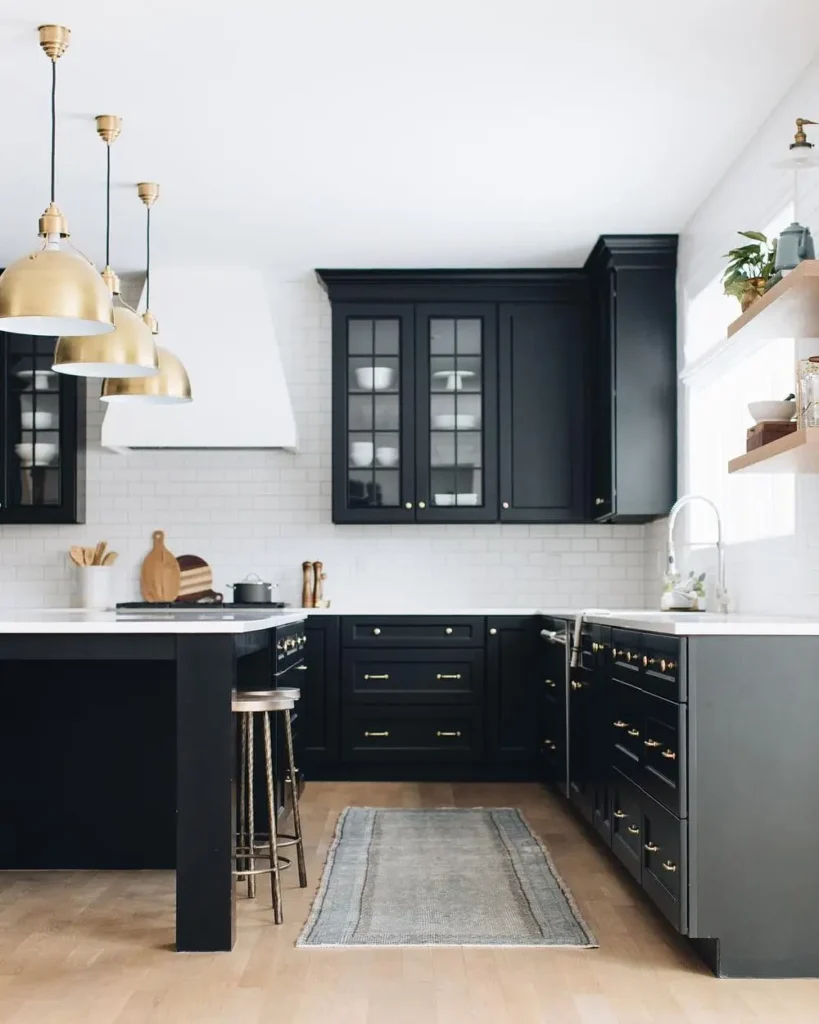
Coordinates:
(722, 590)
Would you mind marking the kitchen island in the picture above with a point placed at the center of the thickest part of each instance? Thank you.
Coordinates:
(83, 695)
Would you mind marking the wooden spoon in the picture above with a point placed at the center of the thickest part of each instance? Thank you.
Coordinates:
(110, 558)
(88, 556)
(76, 555)
(99, 552)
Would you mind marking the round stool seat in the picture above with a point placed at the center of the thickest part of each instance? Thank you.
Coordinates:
(291, 692)
(268, 702)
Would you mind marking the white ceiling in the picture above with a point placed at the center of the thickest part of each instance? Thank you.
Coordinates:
(382, 133)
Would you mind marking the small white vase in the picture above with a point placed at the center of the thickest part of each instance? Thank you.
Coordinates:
(95, 586)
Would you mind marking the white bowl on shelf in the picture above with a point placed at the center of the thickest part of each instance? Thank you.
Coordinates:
(43, 453)
(772, 412)
(40, 380)
(466, 499)
(361, 453)
(454, 378)
(454, 421)
(374, 378)
(444, 499)
(386, 456)
(39, 420)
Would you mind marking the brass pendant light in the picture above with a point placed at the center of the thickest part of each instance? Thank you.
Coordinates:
(52, 290)
(129, 351)
(171, 385)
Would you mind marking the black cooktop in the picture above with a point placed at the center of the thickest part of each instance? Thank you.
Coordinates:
(177, 605)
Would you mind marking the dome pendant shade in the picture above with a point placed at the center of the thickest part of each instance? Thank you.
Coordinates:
(170, 386)
(51, 292)
(127, 352)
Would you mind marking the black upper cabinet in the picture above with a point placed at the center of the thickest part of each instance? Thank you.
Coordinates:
(458, 395)
(633, 453)
(42, 419)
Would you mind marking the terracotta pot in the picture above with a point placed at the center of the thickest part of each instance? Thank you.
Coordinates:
(753, 289)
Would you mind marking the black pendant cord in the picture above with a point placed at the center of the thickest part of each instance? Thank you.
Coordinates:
(148, 260)
(108, 205)
(53, 126)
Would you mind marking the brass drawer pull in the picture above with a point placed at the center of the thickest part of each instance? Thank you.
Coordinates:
(456, 734)
(667, 666)
(652, 743)
(369, 675)
(633, 829)
(448, 630)
(448, 675)
(670, 755)
(634, 732)
(669, 865)
(620, 814)
(550, 682)
(371, 734)
(652, 847)
(620, 724)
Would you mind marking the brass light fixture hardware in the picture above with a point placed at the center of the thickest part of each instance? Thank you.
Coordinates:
(373, 734)
(669, 865)
(620, 814)
(129, 351)
(52, 291)
(633, 732)
(384, 675)
(652, 847)
(441, 734)
(652, 743)
(670, 755)
(800, 139)
(171, 384)
(633, 829)
(451, 675)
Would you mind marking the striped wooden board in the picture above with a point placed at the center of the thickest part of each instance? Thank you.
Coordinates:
(196, 579)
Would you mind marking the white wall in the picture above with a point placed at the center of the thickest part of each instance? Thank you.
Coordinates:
(774, 573)
(267, 511)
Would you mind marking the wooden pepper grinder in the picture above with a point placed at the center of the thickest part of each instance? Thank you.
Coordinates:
(318, 579)
(308, 585)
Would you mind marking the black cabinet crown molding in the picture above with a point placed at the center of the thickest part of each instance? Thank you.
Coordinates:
(633, 252)
(452, 285)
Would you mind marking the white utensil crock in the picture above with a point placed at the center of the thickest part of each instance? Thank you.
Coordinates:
(95, 586)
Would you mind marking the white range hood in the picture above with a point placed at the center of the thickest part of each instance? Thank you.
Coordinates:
(217, 320)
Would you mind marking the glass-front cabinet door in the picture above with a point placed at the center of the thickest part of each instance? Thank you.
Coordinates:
(456, 413)
(42, 415)
(373, 413)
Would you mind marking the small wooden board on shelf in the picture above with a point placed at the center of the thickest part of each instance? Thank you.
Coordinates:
(797, 452)
(789, 310)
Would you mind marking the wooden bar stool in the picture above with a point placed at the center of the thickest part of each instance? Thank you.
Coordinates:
(249, 849)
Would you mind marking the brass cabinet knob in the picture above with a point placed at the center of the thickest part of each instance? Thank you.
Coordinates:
(505, 504)
(376, 631)
(652, 743)
(422, 504)
(620, 814)
(448, 630)
(669, 865)
(634, 732)
(600, 501)
(651, 847)
(620, 724)
(407, 504)
(550, 682)
(670, 755)
(645, 661)
(576, 685)
(493, 632)
(633, 829)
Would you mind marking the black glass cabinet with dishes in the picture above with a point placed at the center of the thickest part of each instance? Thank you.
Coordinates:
(42, 416)
(458, 395)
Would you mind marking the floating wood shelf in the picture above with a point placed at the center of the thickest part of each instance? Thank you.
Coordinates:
(795, 453)
(789, 310)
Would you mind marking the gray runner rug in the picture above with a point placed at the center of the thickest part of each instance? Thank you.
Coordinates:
(444, 877)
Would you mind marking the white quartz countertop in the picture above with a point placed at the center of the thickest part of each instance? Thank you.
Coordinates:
(194, 620)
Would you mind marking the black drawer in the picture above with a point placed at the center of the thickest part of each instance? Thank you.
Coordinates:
(626, 824)
(415, 676)
(627, 655)
(649, 744)
(662, 670)
(665, 874)
(414, 630)
(425, 735)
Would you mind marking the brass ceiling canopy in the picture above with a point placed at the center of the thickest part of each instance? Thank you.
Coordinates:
(171, 386)
(129, 351)
(800, 138)
(52, 291)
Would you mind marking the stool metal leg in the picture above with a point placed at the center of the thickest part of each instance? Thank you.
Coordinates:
(294, 795)
(251, 828)
(241, 860)
(275, 883)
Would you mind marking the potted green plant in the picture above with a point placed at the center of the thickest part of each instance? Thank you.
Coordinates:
(752, 266)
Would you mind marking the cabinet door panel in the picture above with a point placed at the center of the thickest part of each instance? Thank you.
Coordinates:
(541, 360)
(318, 679)
(456, 413)
(511, 685)
(626, 824)
(602, 381)
(373, 389)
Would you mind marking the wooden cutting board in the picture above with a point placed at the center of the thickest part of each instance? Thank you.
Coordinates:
(196, 580)
(160, 572)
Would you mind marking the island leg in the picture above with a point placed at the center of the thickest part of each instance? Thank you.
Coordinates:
(205, 826)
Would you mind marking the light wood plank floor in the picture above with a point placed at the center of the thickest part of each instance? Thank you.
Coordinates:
(93, 948)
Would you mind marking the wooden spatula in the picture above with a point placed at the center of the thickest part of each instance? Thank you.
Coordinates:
(160, 572)
(77, 555)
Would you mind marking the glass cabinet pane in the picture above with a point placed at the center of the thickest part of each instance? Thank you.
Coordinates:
(373, 412)
(456, 364)
(32, 423)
